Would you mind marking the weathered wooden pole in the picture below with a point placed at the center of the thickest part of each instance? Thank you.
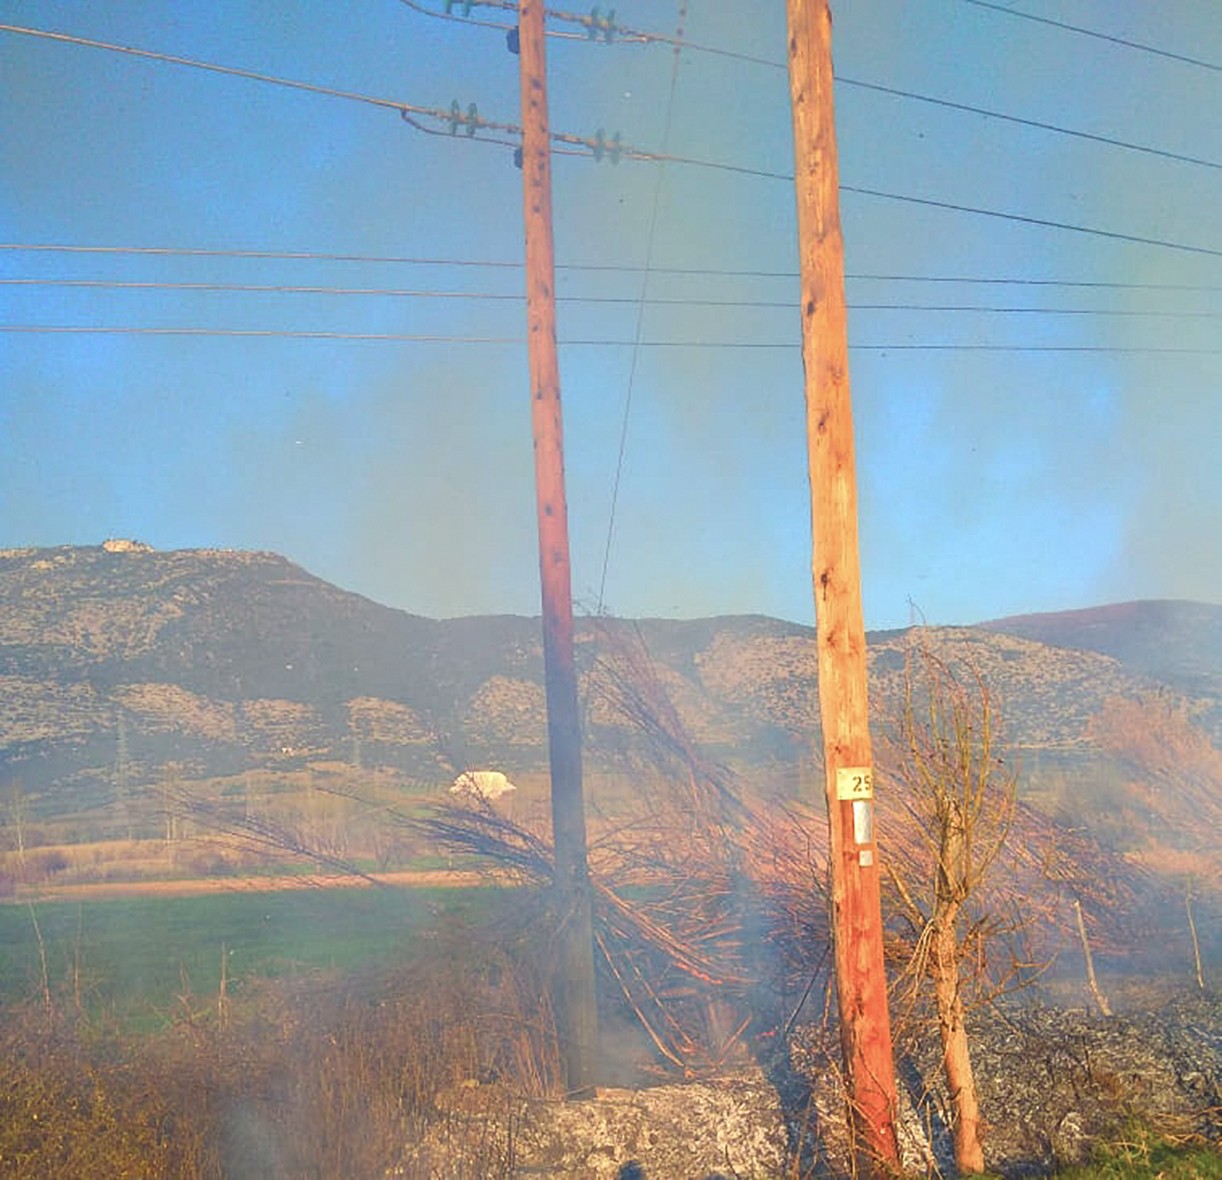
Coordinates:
(576, 1007)
(861, 984)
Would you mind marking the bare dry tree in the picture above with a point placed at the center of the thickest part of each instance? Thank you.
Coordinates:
(959, 798)
(702, 900)
(983, 888)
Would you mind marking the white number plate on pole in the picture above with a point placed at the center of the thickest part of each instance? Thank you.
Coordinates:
(855, 782)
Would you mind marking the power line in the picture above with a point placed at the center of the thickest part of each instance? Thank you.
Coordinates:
(277, 289)
(1035, 123)
(1025, 219)
(281, 333)
(638, 36)
(212, 67)
(466, 20)
(1056, 24)
(625, 300)
(319, 256)
(289, 255)
(473, 125)
(594, 268)
(1124, 350)
(1029, 282)
(454, 118)
(1135, 313)
(596, 145)
(603, 30)
(640, 316)
(426, 338)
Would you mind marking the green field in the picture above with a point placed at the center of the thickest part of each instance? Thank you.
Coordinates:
(133, 955)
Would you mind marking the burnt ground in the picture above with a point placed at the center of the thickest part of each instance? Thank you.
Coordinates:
(1054, 1083)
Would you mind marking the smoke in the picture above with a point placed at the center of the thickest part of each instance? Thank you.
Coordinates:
(418, 491)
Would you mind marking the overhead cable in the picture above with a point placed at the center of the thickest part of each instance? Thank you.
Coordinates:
(1108, 140)
(591, 267)
(628, 34)
(472, 122)
(595, 28)
(213, 67)
(1025, 219)
(428, 338)
(639, 330)
(1183, 58)
(625, 300)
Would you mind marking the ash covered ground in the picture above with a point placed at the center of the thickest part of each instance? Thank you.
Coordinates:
(1054, 1083)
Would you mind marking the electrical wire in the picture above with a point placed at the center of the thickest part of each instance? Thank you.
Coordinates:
(473, 123)
(604, 31)
(289, 255)
(1057, 24)
(466, 20)
(1025, 219)
(470, 121)
(638, 36)
(639, 301)
(594, 268)
(1010, 281)
(659, 177)
(270, 288)
(274, 333)
(1108, 140)
(1123, 350)
(475, 127)
(1138, 313)
(427, 338)
(212, 67)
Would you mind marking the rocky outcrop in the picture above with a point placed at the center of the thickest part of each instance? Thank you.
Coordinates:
(727, 1126)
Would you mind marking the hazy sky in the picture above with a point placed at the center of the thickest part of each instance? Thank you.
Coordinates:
(1058, 447)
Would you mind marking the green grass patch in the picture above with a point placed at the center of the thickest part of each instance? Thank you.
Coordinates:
(133, 956)
(1150, 1158)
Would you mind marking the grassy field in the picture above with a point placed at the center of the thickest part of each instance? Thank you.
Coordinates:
(134, 956)
(346, 1013)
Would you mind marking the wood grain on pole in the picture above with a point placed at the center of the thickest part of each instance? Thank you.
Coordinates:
(857, 921)
(577, 1012)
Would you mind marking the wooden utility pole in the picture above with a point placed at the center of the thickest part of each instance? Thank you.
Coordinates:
(861, 984)
(576, 1008)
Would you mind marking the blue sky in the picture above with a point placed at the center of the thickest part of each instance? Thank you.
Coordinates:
(993, 480)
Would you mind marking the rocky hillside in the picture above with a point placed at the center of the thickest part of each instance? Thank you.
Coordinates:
(117, 659)
(1179, 643)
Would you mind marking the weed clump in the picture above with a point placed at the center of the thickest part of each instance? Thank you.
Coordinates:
(324, 1076)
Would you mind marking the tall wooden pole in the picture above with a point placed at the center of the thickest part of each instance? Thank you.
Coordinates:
(865, 1023)
(576, 1008)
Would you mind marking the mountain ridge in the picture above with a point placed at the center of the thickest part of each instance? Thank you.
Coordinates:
(116, 660)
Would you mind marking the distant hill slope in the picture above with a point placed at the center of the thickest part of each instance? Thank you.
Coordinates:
(1179, 643)
(116, 660)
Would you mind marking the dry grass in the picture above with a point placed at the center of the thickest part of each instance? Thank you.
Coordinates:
(711, 914)
(319, 1079)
